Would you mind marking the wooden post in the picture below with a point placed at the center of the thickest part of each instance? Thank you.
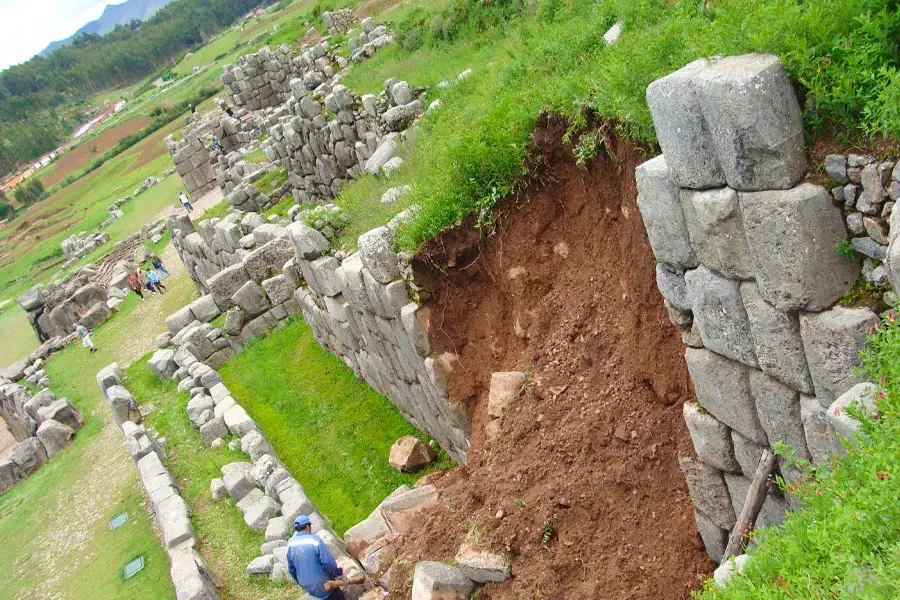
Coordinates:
(756, 495)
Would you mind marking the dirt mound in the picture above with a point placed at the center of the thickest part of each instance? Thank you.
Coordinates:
(582, 486)
(79, 157)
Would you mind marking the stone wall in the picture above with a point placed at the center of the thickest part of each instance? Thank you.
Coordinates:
(190, 574)
(263, 489)
(194, 161)
(320, 152)
(358, 306)
(749, 269)
(42, 424)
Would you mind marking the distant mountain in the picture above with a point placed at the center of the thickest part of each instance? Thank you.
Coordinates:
(113, 14)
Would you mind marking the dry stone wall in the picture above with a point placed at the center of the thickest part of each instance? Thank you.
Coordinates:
(43, 425)
(749, 269)
(263, 489)
(87, 296)
(358, 306)
(190, 574)
(194, 161)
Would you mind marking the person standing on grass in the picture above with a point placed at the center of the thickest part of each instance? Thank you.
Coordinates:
(312, 566)
(153, 279)
(158, 265)
(134, 282)
(85, 335)
(185, 202)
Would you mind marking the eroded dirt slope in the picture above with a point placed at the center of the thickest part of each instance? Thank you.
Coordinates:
(587, 461)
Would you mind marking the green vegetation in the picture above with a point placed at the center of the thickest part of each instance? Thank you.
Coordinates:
(319, 416)
(257, 156)
(473, 151)
(271, 181)
(34, 93)
(60, 515)
(29, 192)
(220, 525)
(864, 293)
(18, 337)
(845, 542)
(35, 255)
(846, 249)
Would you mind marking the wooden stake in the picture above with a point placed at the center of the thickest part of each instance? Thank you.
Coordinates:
(756, 495)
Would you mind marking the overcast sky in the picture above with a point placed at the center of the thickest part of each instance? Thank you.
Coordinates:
(27, 26)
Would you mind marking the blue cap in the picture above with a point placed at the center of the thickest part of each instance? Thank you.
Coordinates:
(301, 522)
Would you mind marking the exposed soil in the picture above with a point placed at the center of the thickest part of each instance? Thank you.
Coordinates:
(585, 468)
(79, 157)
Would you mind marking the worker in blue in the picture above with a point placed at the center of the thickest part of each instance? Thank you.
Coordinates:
(312, 566)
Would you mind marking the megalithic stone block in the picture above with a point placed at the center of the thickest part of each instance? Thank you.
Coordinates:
(778, 407)
(792, 236)
(832, 341)
(660, 205)
(712, 439)
(754, 120)
(776, 336)
(719, 314)
(716, 228)
(681, 128)
(722, 387)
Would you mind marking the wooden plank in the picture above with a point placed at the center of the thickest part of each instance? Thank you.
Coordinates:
(756, 495)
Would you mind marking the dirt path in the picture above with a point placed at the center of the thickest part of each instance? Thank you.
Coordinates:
(147, 319)
(582, 486)
(66, 535)
(209, 200)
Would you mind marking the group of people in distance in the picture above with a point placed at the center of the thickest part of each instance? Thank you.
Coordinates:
(150, 278)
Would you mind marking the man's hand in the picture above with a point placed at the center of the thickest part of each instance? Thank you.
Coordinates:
(339, 583)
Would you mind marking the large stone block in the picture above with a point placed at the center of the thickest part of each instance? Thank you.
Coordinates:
(716, 229)
(376, 250)
(660, 206)
(277, 289)
(180, 319)
(715, 539)
(205, 308)
(832, 341)
(719, 314)
(308, 243)
(778, 407)
(773, 507)
(681, 128)
(712, 439)
(437, 581)
(754, 121)
(793, 235)
(722, 387)
(861, 397)
(820, 440)
(747, 452)
(776, 336)
(670, 282)
(268, 259)
(324, 273)
(225, 283)
(54, 436)
(10, 474)
(162, 363)
(708, 491)
(96, 316)
(250, 299)
(29, 455)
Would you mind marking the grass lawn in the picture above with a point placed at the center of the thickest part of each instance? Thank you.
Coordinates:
(57, 519)
(332, 431)
(225, 540)
(18, 336)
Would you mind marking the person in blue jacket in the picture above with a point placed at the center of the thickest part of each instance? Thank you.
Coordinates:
(312, 566)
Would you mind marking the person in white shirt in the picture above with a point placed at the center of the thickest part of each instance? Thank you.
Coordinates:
(186, 202)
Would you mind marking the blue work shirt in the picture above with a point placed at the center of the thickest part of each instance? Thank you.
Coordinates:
(311, 564)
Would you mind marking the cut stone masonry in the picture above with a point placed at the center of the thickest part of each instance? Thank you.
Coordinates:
(749, 269)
